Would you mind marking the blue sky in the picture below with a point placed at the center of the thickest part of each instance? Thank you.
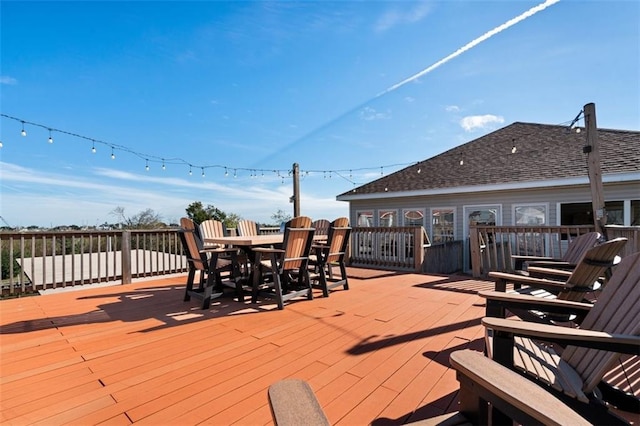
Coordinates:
(254, 87)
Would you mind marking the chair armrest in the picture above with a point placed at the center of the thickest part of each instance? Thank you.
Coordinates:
(267, 250)
(502, 278)
(509, 392)
(621, 343)
(519, 260)
(293, 403)
(499, 302)
(551, 264)
(558, 274)
(219, 250)
(536, 302)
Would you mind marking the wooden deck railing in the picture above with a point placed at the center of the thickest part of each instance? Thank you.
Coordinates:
(33, 261)
(491, 247)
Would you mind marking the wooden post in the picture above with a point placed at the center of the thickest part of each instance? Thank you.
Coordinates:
(474, 243)
(592, 149)
(126, 257)
(296, 190)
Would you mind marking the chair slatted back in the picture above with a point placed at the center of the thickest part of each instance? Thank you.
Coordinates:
(192, 244)
(298, 237)
(590, 268)
(212, 228)
(617, 311)
(247, 228)
(579, 246)
(321, 226)
(338, 239)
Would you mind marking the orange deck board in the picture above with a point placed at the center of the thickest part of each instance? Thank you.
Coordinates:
(138, 353)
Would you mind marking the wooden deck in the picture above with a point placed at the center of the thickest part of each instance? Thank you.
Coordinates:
(377, 353)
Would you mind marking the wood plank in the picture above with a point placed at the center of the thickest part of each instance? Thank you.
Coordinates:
(139, 353)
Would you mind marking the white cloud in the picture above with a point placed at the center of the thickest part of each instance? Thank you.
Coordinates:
(370, 114)
(89, 200)
(479, 122)
(5, 79)
(395, 17)
(452, 108)
(409, 99)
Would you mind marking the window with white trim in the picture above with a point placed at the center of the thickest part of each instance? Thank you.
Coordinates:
(443, 221)
(388, 218)
(413, 217)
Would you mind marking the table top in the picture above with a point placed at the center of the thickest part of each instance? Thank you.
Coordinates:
(249, 240)
(253, 240)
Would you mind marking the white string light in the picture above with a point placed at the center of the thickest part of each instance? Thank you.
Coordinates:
(573, 124)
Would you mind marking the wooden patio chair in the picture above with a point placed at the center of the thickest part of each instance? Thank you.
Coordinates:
(247, 228)
(212, 228)
(489, 394)
(578, 283)
(332, 254)
(209, 264)
(321, 226)
(289, 265)
(572, 362)
(576, 249)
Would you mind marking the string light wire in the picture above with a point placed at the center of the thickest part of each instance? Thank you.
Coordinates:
(282, 173)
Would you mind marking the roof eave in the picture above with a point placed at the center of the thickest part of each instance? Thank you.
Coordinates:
(573, 181)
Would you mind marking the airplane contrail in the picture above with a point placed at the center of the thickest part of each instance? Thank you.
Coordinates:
(473, 43)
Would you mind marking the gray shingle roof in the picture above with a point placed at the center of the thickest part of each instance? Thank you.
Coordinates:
(543, 152)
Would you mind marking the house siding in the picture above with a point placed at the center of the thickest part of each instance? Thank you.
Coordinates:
(505, 199)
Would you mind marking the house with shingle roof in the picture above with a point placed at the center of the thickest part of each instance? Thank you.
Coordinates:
(522, 174)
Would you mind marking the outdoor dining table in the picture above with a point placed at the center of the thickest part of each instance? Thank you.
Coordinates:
(247, 245)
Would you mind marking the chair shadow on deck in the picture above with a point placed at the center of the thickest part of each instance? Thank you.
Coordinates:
(370, 345)
(163, 303)
(443, 405)
(458, 284)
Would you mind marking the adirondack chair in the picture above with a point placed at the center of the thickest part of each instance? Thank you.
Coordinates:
(247, 228)
(292, 260)
(209, 264)
(333, 253)
(321, 226)
(611, 327)
(578, 283)
(571, 257)
(489, 394)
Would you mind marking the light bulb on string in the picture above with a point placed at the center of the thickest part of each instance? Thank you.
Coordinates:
(235, 174)
(23, 132)
(93, 146)
(163, 166)
(202, 171)
(50, 138)
(190, 172)
(113, 156)
(146, 167)
(226, 172)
